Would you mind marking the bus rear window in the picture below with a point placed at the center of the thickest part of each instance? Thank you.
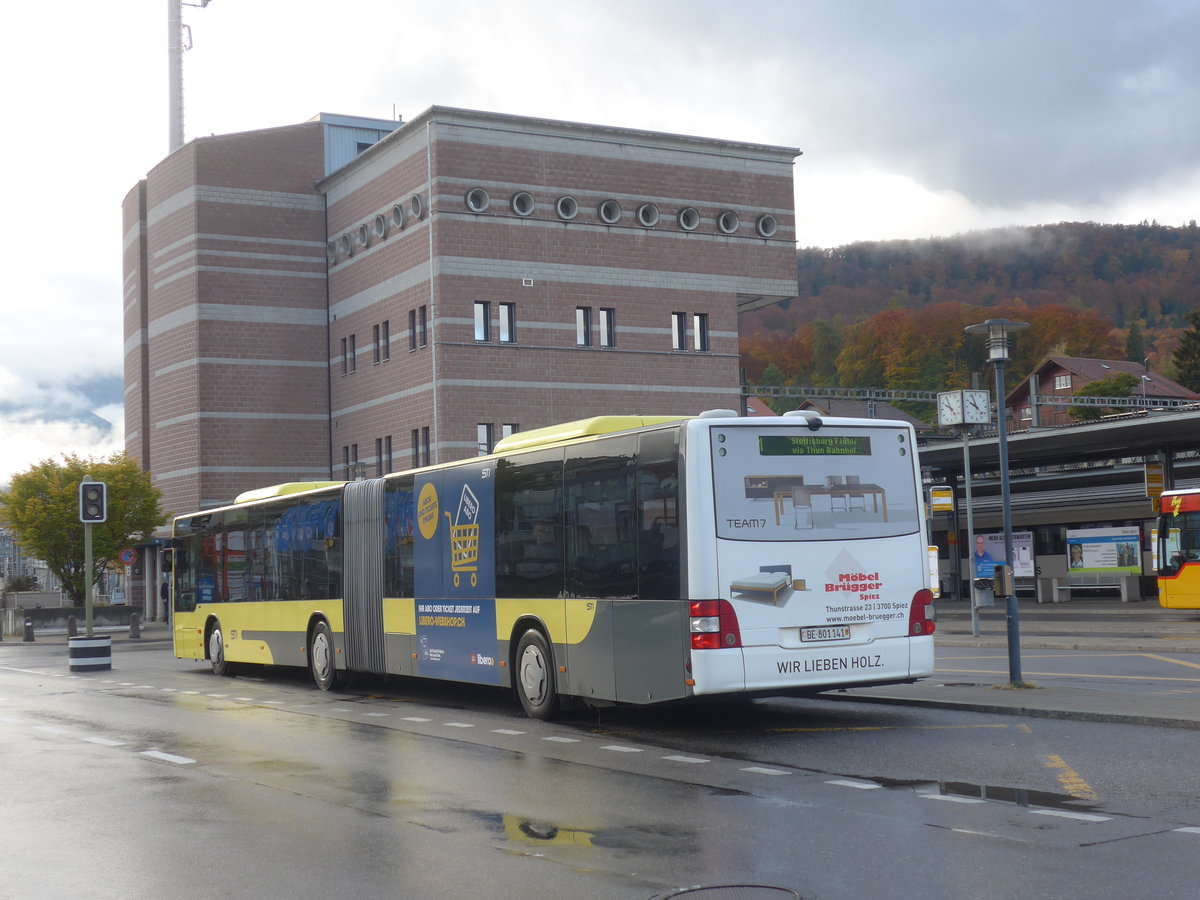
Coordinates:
(789, 484)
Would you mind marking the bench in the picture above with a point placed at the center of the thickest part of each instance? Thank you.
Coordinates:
(1072, 583)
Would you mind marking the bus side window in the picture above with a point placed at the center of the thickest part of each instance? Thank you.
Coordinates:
(529, 517)
(658, 515)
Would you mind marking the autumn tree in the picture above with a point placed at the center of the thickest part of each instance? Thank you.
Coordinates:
(42, 508)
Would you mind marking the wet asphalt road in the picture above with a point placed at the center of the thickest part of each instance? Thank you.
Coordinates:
(158, 779)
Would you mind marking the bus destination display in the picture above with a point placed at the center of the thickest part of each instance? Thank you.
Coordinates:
(813, 445)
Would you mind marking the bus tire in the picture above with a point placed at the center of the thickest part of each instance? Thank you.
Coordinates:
(535, 676)
(322, 661)
(216, 649)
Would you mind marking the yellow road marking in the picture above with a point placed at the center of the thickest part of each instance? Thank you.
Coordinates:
(879, 728)
(1167, 659)
(1025, 728)
(1070, 780)
(1065, 675)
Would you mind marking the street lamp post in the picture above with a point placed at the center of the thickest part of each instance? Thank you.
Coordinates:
(997, 331)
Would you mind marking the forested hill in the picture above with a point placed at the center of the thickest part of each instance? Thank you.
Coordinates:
(1147, 273)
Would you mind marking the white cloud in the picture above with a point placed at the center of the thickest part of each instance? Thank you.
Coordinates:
(931, 117)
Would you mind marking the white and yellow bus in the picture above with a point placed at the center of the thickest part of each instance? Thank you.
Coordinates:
(619, 559)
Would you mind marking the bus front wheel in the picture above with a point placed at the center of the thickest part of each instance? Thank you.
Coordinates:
(321, 659)
(216, 650)
(535, 676)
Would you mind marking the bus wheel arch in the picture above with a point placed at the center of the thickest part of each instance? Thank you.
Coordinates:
(534, 673)
(322, 654)
(214, 646)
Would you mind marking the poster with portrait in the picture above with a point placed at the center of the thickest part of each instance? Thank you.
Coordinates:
(1112, 551)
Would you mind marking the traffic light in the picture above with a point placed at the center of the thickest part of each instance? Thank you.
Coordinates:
(93, 502)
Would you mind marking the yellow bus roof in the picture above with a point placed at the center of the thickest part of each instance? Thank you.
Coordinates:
(281, 490)
(597, 425)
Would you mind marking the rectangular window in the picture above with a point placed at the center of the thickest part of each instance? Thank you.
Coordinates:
(483, 320)
(1026, 413)
(376, 340)
(345, 357)
(508, 323)
(678, 331)
(423, 326)
(416, 447)
(378, 457)
(484, 438)
(412, 329)
(425, 445)
(346, 459)
(353, 353)
(700, 331)
(608, 327)
(1062, 382)
(386, 332)
(387, 454)
(583, 326)
(508, 429)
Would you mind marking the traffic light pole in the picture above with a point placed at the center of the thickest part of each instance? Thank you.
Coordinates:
(87, 574)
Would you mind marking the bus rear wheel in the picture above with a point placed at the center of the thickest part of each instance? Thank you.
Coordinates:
(535, 676)
(216, 650)
(321, 659)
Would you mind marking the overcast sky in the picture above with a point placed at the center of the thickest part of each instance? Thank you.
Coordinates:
(916, 118)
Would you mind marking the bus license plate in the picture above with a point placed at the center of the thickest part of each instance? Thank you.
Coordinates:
(826, 633)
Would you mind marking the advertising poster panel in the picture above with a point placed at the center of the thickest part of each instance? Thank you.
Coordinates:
(989, 550)
(1105, 550)
(455, 575)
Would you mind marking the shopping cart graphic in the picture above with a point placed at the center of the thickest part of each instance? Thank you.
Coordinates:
(464, 537)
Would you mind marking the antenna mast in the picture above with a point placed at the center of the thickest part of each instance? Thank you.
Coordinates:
(175, 47)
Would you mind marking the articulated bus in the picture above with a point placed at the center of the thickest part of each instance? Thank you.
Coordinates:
(619, 559)
(1177, 550)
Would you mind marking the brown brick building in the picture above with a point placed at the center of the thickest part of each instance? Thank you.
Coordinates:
(351, 296)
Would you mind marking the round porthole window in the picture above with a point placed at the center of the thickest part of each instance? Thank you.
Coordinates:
(364, 235)
(522, 203)
(345, 245)
(766, 226)
(477, 200)
(398, 216)
(381, 226)
(728, 222)
(647, 215)
(566, 207)
(689, 218)
(331, 252)
(417, 206)
(609, 212)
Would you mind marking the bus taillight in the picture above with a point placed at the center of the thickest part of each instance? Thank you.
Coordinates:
(918, 624)
(714, 625)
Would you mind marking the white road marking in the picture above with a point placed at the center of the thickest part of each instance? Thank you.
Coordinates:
(763, 770)
(1189, 829)
(459, 724)
(167, 757)
(506, 731)
(686, 759)
(416, 719)
(104, 742)
(951, 799)
(860, 785)
(1064, 814)
(617, 748)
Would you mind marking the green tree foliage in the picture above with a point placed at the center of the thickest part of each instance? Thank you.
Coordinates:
(42, 508)
(1135, 344)
(1119, 384)
(1186, 360)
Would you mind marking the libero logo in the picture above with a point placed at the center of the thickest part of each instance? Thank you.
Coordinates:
(478, 659)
